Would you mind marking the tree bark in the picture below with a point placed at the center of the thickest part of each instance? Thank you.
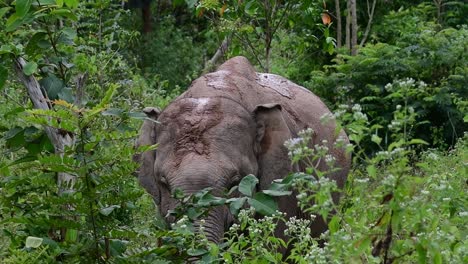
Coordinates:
(348, 25)
(353, 27)
(338, 24)
(59, 140)
(146, 15)
(223, 48)
(370, 12)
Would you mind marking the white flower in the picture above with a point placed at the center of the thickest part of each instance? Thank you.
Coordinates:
(293, 142)
(388, 86)
(357, 108)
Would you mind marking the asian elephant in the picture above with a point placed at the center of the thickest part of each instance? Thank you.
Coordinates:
(228, 124)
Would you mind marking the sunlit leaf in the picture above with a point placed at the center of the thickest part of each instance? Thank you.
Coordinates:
(33, 242)
(276, 192)
(108, 210)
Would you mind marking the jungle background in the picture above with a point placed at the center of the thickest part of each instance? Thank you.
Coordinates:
(75, 76)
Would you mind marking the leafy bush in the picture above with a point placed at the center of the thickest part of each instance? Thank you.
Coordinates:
(430, 72)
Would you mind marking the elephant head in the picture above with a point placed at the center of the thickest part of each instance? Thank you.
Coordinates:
(211, 142)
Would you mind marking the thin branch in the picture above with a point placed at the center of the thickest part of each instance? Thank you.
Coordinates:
(247, 43)
(222, 49)
(369, 23)
(286, 10)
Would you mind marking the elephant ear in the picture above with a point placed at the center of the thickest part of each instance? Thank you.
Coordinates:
(272, 132)
(147, 137)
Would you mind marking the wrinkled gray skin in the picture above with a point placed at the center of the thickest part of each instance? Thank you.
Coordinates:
(228, 124)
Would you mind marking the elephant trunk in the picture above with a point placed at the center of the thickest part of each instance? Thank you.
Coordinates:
(213, 225)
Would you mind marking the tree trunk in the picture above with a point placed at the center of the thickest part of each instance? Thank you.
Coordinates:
(146, 15)
(338, 24)
(370, 12)
(348, 25)
(353, 27)
(59, 140)
(439, 4)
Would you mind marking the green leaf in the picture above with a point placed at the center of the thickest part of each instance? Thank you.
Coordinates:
(53, 86)
(437, 257)
(27, 158)
(67, 95)
(422, 252)
(334, 224)
(33, 45)
(33, 242)
(376, 139)
(196, 252)
(418, 141)
(276, 192)
(13, 22)
(263, 204)
(363, 243)
(65, 13)
(71, 235)
(22, 7)
(372, 171)
(210, 200)
(71, 3)
(247, 185)
(236, 204)
(3, 76)
(4, 10)
(118, 247)
(30, 68)
(108, 210)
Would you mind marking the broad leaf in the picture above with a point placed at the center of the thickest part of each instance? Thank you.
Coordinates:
(247, 185)
(22, 7)
(196, 252)
(263, 204)
(33, 45)
(30, 68)
(236, 204)
(33, 242)
(53, 86)
(71, 3)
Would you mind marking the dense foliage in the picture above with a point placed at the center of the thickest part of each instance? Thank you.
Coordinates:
(402, 99)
